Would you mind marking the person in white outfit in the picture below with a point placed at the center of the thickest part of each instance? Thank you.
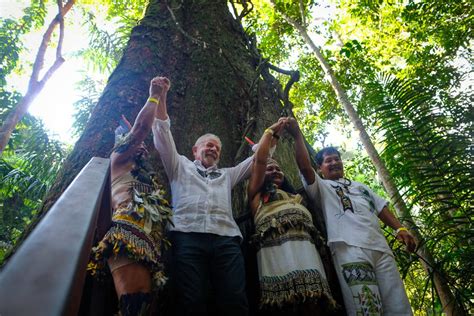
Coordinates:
(205, 237)
(366, 268)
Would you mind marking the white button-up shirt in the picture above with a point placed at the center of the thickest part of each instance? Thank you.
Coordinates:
(201, 198)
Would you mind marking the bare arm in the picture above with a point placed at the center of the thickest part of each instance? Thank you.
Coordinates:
(404, 236)
(142, 126)
(302, 156)
(260, 162)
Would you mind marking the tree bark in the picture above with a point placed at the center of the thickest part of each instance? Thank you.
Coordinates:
(448, 301)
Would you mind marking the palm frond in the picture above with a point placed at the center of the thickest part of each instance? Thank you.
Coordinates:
(431, 159)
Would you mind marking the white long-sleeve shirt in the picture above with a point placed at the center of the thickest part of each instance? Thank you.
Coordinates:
(201, 198)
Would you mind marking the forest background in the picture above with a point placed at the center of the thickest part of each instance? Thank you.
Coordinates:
(397, 73)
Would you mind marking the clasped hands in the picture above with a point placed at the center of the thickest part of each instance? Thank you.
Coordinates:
(285, 123)
(159, 86)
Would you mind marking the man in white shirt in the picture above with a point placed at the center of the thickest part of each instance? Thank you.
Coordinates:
(205, 238)
(366, 268)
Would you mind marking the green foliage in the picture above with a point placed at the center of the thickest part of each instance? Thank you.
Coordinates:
(118, 8)
(27, 170)
(430, 156)
(423, 123)
(350, 47)
(420, 40)
(11, 32)
(109, 24)
(449, 24)
(267, 28)
(31, 160)
(315, 92)
(29, 164)
(106, 47)
(109, 31)
(359, 167)
(90, 90)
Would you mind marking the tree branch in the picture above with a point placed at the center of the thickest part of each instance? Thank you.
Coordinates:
(295, 76)
(246, 9)
(34, 85)
(61, 30)
(57, 63)
(39, 60)
(280, 70)
(303, 19)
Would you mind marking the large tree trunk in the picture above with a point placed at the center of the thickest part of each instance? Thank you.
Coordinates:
(215, 87)
(450, 305)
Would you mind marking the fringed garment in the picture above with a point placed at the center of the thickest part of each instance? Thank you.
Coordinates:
(137, 229)
(290, 268)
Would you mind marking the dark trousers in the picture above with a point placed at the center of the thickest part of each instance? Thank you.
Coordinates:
(199, 260)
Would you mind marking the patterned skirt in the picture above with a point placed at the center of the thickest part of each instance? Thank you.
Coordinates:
(290, 267)
(132, 237)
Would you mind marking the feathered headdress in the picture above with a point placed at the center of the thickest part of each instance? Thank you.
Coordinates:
(123, 129)
(122, 133)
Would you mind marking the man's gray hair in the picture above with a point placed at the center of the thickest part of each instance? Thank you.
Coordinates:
(206, 137)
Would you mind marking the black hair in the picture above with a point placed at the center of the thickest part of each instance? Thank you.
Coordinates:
(269, 187)
(325, 151)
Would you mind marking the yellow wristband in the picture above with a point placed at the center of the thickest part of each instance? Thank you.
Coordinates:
(400, 229)
(269, 130)
(153, 100)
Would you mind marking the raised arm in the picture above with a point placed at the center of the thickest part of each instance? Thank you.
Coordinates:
(142, 126)
(162, 137)
(260, 160)
(161, 110)
(159, 87)
(402, 233)
(302, 156)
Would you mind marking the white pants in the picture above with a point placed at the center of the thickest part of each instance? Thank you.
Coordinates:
(370, 282)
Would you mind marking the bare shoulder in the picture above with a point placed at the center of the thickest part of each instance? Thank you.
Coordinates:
(119, 165)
